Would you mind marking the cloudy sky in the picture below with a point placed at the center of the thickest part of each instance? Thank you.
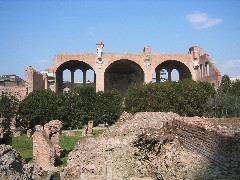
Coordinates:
(33, 31)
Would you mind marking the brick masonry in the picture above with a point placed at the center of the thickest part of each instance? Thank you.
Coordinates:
(216, 139)
(46, 147)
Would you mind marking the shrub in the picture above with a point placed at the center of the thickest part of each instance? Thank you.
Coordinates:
(38, 108)
(77, 107)
(108, 107)
(185, 97)
(84, 104)
(226, 103)
(8, 106)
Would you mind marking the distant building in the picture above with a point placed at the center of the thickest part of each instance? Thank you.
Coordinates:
(11, 80)
(14, 85)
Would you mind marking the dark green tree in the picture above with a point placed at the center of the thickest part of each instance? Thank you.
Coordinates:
(77, 107)
(225, 85)
(38, 108)
(108, 107)
(184, 97)
(8, 105)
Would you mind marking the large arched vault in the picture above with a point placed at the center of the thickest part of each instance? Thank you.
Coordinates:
(121, 73)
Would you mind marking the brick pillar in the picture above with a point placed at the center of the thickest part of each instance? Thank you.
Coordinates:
(169, 74)
(72, 79)
(84, 76)
(99, 81)
(45, 78)
(157, 76)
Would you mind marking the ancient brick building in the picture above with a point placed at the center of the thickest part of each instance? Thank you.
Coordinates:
(119, 70)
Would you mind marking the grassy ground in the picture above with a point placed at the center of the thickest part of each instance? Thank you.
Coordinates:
(23, 145)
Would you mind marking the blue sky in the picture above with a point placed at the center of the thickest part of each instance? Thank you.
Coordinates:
(33, 31)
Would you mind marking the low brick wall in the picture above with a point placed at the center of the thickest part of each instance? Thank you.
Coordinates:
(216, 139)
(19, 92)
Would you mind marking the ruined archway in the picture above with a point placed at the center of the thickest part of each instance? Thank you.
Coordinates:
(169, 66)
(72, 66)
(121, 73)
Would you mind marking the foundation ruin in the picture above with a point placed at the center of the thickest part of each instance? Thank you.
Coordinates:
(216, 139)
(46, 147)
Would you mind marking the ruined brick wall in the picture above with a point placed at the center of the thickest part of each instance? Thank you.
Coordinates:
(43, 151)
(216, 139)
(46, 144)
(34, 79)
(19, 92)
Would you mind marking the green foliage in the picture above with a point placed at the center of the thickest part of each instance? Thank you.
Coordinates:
(226, 103)
(74, 108)
(108, 107)
(185, 97)
(8, 105)
(235, 88)
(77, 107)
(39, 107)
(84, 104)
(225, 85)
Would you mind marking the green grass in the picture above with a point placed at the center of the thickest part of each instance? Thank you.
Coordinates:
(23, 145)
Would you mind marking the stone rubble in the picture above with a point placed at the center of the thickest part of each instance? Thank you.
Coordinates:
(112, 156)
(12, 166)
(149, 146)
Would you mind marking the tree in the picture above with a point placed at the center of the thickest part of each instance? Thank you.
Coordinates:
(77, 107)
(108, 107)
(226, 103)
(39, 107)
(235, 88)
(184, 97)
(8, 105)
(225, 84)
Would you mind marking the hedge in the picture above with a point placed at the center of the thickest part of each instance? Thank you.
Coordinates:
(184, 97)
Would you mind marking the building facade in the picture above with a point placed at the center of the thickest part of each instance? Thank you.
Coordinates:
(119, 70)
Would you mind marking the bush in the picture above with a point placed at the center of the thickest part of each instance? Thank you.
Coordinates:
(226, 103)
(108, 107)
(84, 104)
(77, 107)
(38, 107)
(185, 97)
(8, 106)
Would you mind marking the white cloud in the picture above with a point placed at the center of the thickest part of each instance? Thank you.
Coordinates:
(201, 20)
(231, 67)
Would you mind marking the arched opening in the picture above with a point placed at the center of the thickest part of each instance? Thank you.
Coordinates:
(172, 70)
(120, 74)
(66, 84)
(207, 69)
(175, 75)
(78, 75)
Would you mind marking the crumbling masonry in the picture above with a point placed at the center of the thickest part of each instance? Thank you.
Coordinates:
(216, 139)
(46, 147)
